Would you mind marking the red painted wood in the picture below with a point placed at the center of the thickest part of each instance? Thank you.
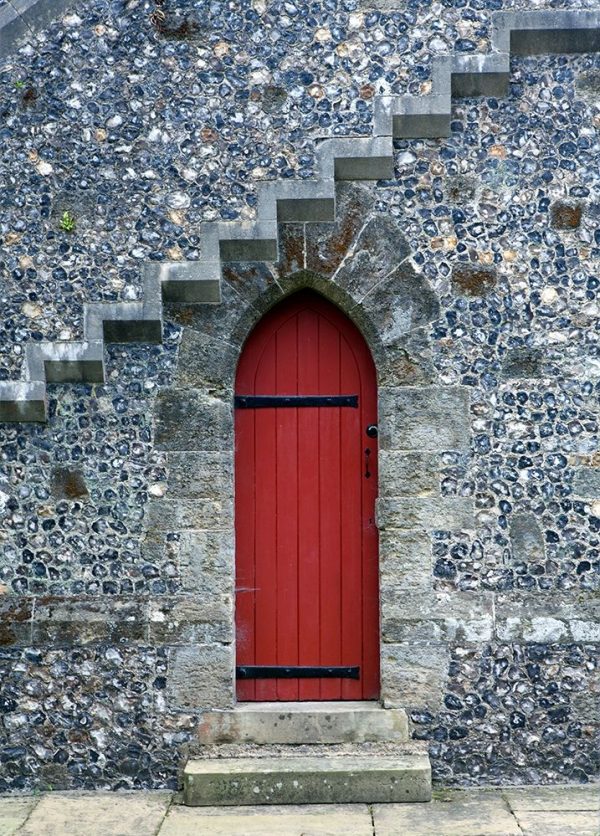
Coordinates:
(306, 542)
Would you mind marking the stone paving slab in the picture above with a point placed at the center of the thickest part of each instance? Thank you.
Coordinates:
(475, 814)
(553, 798)
(98, 814)
(14, 812)
(312, 820)
(554, 823)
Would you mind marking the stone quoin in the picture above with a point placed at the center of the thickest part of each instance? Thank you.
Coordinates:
(165, 181)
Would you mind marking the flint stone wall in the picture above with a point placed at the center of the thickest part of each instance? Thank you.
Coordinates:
(116, 518)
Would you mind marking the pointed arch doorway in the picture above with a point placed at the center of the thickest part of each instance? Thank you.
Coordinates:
(307, 590)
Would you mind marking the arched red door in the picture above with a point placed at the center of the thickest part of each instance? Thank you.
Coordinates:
(307, 601)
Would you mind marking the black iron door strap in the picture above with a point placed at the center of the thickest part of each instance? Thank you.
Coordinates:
(266, 401)
(295, 672)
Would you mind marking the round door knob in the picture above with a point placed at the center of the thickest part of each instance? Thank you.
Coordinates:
(372, 430)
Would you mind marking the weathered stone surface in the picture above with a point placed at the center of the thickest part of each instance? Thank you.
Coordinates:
(201, 475)
(190, 620)
(68, 483)
(436, 617)
(400, 303)
(409, 474)
(72, 621)
(304, 723)
(201, 676)
(15, 620)
(191, 420)
(425, 419)
(565, 215)
(379, 248)
(204, 361)
(526, 538)
(471, 280)
(548, 618)
(553, 798)
(554, 823)
(14, 813)
(425, 513)
(104, 814)
(180, 514)
(586, 482)
(409, 361)
(291, 249)
(414, 674)
(472, 815)
(316, 820)
(327, 245)
(304, 780)
(206, 562)
(405, 562)
(521, 363)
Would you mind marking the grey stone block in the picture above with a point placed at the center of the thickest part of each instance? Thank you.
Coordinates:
(195, 475)
(206, 562)
(455, 617)
(414, 675)
(203, 361)
(16, 614)
(12, 29)
(586, 482)
(303, 723)
(519, 363)
(409, 474)
(402, 302)
(191, 420)
(70, 622)
(201, 676)
(307, 780)
(547, 618)
(526, 538)
(427, 514)
(190, 281)
(190, 620)
(181, 514)
(480, 75)
(405, 564)
(426, 419)
(22, 401)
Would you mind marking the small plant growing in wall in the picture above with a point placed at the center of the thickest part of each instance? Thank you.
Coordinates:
(67, 221)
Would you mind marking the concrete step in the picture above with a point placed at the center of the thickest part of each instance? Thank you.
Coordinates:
(307, 722)
(323, 779)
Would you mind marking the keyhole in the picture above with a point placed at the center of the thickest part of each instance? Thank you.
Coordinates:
(367, 471)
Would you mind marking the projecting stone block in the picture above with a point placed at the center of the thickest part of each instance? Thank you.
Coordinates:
(191, 420)
(442, 513)
(201, 676)
(432, 418)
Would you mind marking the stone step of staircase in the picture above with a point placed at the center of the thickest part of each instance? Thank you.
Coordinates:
(324, 778)
(307, 722)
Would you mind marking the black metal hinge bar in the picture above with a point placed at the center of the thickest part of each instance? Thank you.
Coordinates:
(266, 401)
(295, 672)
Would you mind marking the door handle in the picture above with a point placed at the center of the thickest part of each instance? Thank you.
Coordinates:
(372, 431)
(367, 460)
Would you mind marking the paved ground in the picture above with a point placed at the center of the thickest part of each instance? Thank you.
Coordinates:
(521, 811)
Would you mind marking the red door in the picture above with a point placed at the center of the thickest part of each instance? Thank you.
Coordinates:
(307, 603)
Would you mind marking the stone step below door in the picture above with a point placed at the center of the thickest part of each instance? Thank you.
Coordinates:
(304, 723)
(336, 778)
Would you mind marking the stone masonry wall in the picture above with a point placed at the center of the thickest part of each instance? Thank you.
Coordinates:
(473, 276)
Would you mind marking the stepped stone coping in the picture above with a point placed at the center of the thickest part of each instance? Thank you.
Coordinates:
(319, 779)
(344, 158)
